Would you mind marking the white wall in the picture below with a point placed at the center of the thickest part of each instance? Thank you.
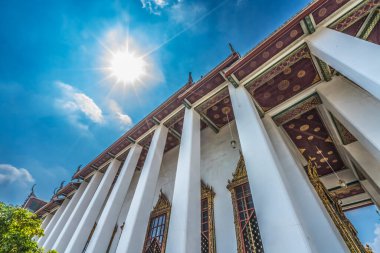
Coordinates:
(218, 162)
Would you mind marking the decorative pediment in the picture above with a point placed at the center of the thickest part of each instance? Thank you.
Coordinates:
(162, 205)
(240, 174)
(206, 190)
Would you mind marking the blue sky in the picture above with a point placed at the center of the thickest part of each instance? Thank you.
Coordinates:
(59, 108)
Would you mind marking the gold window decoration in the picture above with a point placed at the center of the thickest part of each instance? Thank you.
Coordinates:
(157, 231)
(207, 219)
(246, 225)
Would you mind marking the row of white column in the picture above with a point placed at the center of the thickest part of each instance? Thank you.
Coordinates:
(286, 221)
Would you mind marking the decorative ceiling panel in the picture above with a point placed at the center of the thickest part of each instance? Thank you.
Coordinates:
(344, 134)
(355, 27)
(123, 156)
(120, 145)
(289, 77)
(312, 139)
(297, 109)
(142, 158)
(350, 190)
(218, 108)
(327, 9)
(72, 186)
(374, 36)
(171, 142)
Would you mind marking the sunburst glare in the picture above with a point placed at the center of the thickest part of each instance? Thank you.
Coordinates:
(127, 67)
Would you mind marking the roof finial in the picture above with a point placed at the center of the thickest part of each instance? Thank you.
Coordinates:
(32, 191)
(190, 78)
(231, 48)
(79, 166)
(61, 186)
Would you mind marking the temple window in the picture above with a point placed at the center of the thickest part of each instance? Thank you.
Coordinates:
(155, 239)
(246, 225)
(207, 220)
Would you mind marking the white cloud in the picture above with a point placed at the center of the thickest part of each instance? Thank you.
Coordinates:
(117, 112)
(75, 104)
(155, 6)
(375, 245)
(16, 176)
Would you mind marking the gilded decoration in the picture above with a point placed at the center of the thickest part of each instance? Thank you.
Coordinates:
(249, 236)
(240, 175)
(308, 133)
(162, 207)
(298, 109)
(285, 79)
(333, 207)
(208, 193)
(352, 17)
(344, 134)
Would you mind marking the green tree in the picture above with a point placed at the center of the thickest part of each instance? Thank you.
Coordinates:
(18, 226)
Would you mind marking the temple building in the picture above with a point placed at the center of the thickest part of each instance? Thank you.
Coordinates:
(264, 153)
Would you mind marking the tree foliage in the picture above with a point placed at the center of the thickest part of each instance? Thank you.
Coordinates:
(18, 226)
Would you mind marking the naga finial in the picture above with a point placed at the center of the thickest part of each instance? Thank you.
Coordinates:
(190, 78)
(231, 48)
(32, 190)
(61, 186)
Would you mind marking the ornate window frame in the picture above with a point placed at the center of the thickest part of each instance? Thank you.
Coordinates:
(239, 178)
(208, 194)
(162, 207)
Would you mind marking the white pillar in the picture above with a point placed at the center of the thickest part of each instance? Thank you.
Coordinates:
(372, 191)
(320, 229)
(280, 228)
(83, 230)
(46, 221)
(185, 223)
(77, 214)
(65, 216)
(353, 57)
(133, 235)
(53, 221)
(357, 110)
(107, 221)
(369, 164)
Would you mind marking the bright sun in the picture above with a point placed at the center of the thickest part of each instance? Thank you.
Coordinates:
(127, 67)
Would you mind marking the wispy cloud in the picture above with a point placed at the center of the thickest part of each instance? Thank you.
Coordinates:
(124, 119)
(187, 13)
(375, 244)
(155, 6)
(9, 174)
(75, 104)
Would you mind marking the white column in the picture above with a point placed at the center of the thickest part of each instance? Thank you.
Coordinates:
(372, 191)
(107, 221)
(53, 221)
(64, 217)
(132, 238)
(280, 228)
(44, 224)
(357, 110)
(317, 224)
(369, 164)
(83, 230)
(46, 221)
(68, 230)
(353, 57)
(185, 220)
